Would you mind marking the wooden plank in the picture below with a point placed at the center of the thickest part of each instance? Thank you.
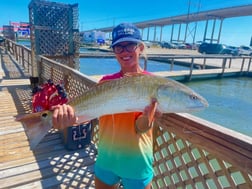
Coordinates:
(85, 181)
(59, 173)
(77, 159)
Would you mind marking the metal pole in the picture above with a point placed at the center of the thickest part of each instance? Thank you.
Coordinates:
(172, 33)
(155, 30)
(148, 33)
(161, 33)
(179, 32)
(220, 31)
(206, 27)
(186, 32)
(212, 36)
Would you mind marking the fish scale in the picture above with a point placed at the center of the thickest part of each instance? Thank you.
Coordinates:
(125, 94)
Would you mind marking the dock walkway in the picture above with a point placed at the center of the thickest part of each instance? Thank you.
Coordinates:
(50, 165)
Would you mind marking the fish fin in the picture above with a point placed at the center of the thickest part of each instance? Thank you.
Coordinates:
(36, 126)
(24, 117)
(153, 108)
(128, 74)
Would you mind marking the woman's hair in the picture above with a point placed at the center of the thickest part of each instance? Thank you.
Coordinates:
(144, 55)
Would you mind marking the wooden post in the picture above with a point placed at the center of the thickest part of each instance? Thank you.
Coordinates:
(172, 64)
(204, 63)
(22, 57)
(249, 65)
(243, 61)
(191, 70)
(230, 60)
(223, 65)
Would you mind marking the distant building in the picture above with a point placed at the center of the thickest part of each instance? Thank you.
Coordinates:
(93, 37)
(22, 29)
(8, 32)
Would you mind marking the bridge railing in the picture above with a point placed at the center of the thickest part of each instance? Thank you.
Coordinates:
(189, 152)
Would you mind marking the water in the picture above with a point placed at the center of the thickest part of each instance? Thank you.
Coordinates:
(230, 102)
(26, 43)
(102, 66)
(230, 99)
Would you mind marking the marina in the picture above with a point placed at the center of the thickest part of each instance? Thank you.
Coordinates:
(189, 151)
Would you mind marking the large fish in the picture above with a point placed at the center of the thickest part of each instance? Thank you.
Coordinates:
(128, 94)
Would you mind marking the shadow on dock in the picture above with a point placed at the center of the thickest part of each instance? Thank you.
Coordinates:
(50, 165)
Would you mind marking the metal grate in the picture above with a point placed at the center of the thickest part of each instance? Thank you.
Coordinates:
(180, 164)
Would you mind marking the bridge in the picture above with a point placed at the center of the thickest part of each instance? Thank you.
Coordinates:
(211, 15)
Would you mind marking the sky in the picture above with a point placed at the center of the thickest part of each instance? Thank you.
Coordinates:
(100, 13)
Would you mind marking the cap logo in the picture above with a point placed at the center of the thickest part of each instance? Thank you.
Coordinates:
(125, 31)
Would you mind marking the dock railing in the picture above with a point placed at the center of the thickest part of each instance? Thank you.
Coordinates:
(189, 152)
(197, 64)
(206, 61)
(211, 65)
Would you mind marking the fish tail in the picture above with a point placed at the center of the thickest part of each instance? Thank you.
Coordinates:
(36, 126)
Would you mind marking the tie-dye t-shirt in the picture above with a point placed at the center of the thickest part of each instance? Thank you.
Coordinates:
(122, 150)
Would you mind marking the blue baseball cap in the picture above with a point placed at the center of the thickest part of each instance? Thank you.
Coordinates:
(125, 32)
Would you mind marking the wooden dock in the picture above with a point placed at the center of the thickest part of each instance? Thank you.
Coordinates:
(189, 152)
(50, 165)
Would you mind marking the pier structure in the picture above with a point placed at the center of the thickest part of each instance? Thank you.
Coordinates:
(189, 152)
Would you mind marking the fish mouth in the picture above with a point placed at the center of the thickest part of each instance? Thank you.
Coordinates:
(197, 108)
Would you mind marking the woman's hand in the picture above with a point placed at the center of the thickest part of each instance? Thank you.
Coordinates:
(63, 116)
(145, 121)
(152, 109)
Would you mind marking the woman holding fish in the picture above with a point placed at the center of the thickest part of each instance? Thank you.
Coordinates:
(125, 140)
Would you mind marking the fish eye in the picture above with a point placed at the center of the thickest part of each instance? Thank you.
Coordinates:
(193, 97)
(44, 115)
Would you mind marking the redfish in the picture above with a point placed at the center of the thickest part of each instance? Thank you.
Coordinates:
(127, 94)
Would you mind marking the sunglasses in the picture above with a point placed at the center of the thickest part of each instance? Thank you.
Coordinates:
(130, 47)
